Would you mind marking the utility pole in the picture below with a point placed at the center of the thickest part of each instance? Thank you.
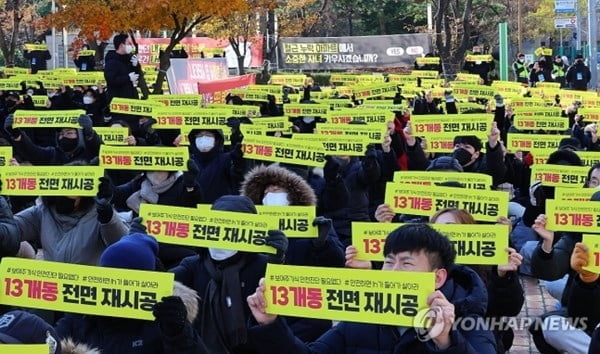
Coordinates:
(592, 42)
(519, 39)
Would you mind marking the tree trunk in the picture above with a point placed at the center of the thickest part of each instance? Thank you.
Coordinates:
(382, 27)
(350, 26)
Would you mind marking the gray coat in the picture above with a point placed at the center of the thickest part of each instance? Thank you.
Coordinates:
(74, 238)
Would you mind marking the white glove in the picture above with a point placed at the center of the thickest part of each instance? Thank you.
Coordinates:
(134, 60)
(133, 77)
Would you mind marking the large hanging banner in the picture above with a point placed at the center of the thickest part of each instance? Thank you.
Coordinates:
(318, 53)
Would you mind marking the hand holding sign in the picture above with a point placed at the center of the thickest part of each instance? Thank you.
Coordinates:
(579, 259)
(103, 198)
(494, 135)
(8, 127)
(279, 242)
(324, 226)
(171, 315)
(539, 226)
(444, 315)
(514, 261)
(384, 213)
(258, 305)
(352, 262)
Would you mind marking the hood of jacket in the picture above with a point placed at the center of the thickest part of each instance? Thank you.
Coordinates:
(259, 178)
(80, 143)
(189, 297)
(466, 291)
(219, 144)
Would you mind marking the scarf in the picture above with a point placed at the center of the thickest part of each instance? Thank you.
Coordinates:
(223, 321)
(149, 193)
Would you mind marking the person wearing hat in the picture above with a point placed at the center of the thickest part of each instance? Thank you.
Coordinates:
(20, 327)
(578, 75)
(559, 71)
(520, 69)
(276, 186)
(171, 332)
(223, 279)
(71, 144)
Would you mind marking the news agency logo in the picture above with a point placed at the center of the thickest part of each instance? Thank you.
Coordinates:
(427, 328)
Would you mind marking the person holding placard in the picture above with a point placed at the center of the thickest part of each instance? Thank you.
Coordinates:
(224, 278)
(37, 57)
(71, 145)
(410, 248)
(171, 332)
(86, 62)
(69, 229)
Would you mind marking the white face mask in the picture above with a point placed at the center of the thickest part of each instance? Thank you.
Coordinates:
(308, 120)
(29, 92)
(88, 100)
(51, 94)
(205, 143)
(157, 177)
(128, 48)
(277, 199)
(219, 255)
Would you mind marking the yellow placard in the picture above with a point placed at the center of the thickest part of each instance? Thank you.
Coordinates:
(592, 242)
(473, 91)
(337, 103)
(386, 89)
(428, 178)
(371, 133)
(251, 95)
(555, 85)
(345, 116)
(179, 100)
(47, 119)
(474, 243)
(25, 348)
(468, 77)
(237, 111)
(590, 114)
(199, 118)
(272, 89)
(428, 60)
(294, 221)
(10, 85)
(469, 106)
(481, 57)
(335, 144)
(144, 158)
(86, 53)
(544, 143)
(6, 153)
(343, 79)
(51, 180)
(573, 217)
(440, 143)
(39, 101)
(412, 199)
(32, 46)
(134, 107)
(404, 78)
(589, 158)
(271, 124)
(543, 51)
(305, 109)
(113, 136)
(82, 289)
(574, 194)
(425, 74)
(208, 228)
(266, 148)
(354, 295)
(384, 105)
(292, 80)
(559, 175)
(524, 122)
(452, 124)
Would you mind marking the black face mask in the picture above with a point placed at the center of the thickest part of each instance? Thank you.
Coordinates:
(64, 205)
(462, 155)
(67, 145)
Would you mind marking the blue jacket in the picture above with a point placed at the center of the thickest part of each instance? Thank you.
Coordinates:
(463, 288)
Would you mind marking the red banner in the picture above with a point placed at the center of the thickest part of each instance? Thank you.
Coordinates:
(215, 91)
(149, 50)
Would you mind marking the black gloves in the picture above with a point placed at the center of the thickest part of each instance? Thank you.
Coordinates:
(233, 123)
(236, 153)
(370, 156)
(137, 226)
(86, 125)
(324, 226)
(277, 240)
(170, 315)
(103, 198)
(8, 122)
(147, 126)
(331, 169)
(189, 176)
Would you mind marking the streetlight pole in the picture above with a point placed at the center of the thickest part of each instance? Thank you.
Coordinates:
(592, 38)
(54, 51)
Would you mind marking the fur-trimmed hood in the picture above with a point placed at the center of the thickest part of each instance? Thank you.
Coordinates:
(189, 297)
(259, 178)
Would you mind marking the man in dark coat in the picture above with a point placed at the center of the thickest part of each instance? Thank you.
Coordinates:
(413, 247)
(119, 69)
(37, 58)
(579, 75)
